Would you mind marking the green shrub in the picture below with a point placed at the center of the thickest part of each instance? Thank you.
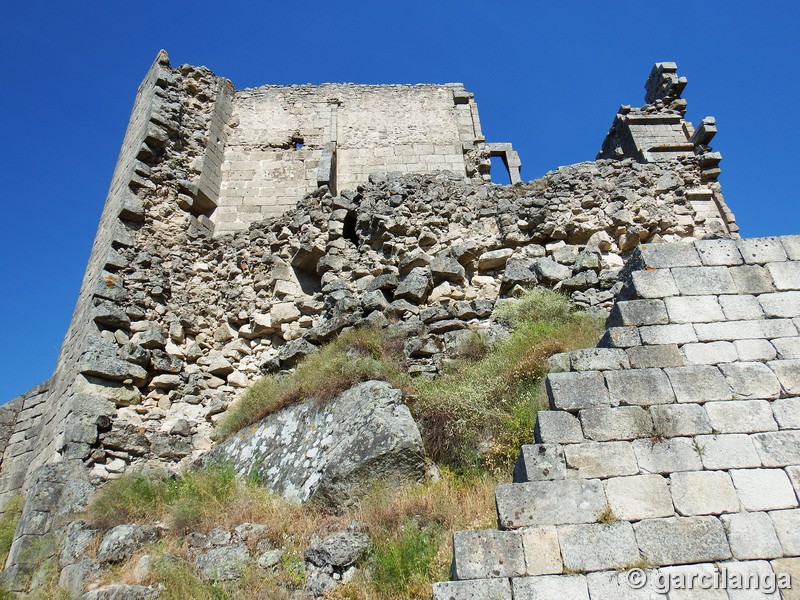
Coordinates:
(356, 355)
(402, 566)
(8, 526)
(475, 416)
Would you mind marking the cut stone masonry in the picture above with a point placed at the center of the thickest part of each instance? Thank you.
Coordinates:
(675, 444)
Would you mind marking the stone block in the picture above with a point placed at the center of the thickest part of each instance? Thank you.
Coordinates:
(731, 451)
(715, 253)
(475, 589)
(787, 413)
(613, 585)
(743, 307)
(674, 420)
(653, 284)
(694, 309)
(598, 359)
(780, 304)
(751, 380)
(754, 350)
(598, 546)
(549, 503)
(787, 526)
(639, 497)
(550, 586)
(785, 275)
(668, 334)
(486, 554)
(750, 571)
(740, 416)
(778, 448)
(573, 391)
(621, 423)
(703, 281)
(706, 570)
(698, 383)
(752, 279)
(787, 348)
(538, 462)
(788, 567)
(659, 256)
(791, 245)
(541, 549)
(620, 337)
(741, 330)
(752, 536)
(642, 387)
(557, 427)
(762, 250)
(709, 353)
(676, 454)
(600, 459)
(763, 489)
(677, 540)
(638, 312)
(649, 357)
(788, 374)
(703, 493)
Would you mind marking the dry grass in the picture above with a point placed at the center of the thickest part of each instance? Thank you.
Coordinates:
(411, 528)
(356, 355)
(476, 416)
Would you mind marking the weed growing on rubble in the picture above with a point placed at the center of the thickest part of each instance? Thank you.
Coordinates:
(411, 527)
(8, 525)
(473, 417)
(356, 355)
(476, 416)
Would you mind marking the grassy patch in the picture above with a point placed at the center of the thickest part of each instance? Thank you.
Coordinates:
(402, 567)
(8, 525)
(183, 502)
(411, 528)
(476, 416)
(356, 355)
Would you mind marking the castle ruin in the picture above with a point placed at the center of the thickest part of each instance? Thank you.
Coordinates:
(245, 228)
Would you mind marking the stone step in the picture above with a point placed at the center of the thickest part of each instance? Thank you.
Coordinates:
(555, 502)
(475, 589)
(492, 553)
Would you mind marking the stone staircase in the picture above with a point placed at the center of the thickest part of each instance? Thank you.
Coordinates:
(674, 447)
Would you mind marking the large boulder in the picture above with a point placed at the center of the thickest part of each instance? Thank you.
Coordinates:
(330, 453)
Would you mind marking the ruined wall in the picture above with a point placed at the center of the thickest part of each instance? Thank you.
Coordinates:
(176, 317)
(278, 137)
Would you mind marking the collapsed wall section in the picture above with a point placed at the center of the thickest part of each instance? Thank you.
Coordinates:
(58, 423)
(285, 141)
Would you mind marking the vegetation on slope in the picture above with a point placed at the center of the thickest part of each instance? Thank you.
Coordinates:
(475, 415)
(411, 528)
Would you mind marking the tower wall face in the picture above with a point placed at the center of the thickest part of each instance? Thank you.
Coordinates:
(277, 136)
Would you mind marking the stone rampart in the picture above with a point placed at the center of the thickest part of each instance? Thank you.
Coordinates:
(673, 447)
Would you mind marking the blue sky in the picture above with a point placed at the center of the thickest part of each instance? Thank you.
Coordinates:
(547, 77)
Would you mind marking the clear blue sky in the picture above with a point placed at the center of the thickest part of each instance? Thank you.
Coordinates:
(547, 77)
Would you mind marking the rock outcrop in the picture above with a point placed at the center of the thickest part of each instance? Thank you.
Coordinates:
(330, 453)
